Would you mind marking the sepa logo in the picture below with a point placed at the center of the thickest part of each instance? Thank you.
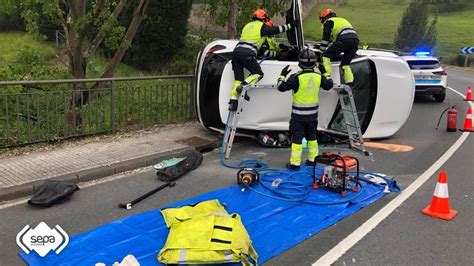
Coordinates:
(42, 239)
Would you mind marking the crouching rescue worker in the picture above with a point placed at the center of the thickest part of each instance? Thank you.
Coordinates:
(245, 52)
(344, 40)
(304, 115)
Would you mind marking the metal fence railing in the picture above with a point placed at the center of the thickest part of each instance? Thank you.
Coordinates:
(38, 111)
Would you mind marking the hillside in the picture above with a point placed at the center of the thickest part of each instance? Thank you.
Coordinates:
(377, 21)
(25, 58)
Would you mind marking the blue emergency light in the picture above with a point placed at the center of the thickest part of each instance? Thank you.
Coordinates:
(422, 53)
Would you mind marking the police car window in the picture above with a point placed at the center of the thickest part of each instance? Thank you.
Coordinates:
(424, 64)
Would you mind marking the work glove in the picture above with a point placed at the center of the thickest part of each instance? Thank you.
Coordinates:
(285, 71)
(295, 23)
(283, 47)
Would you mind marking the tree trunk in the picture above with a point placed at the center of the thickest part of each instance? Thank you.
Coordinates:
(124, 45)
(77, 62)
(232, 22)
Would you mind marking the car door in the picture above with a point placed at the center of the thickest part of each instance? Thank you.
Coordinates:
(295, 35)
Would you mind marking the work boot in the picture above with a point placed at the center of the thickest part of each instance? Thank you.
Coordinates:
(348, 76)
(292, 167)
(310, 163)
(233, 105)
(241, 86)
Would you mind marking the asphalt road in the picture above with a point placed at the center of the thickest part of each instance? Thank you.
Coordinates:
(405, 237)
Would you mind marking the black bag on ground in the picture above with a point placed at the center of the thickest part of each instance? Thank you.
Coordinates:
(52, 192)
(190, 162)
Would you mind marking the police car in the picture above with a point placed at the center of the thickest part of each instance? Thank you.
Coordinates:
(430, 78)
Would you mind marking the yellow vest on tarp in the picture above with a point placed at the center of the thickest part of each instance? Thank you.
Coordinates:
(205, 233)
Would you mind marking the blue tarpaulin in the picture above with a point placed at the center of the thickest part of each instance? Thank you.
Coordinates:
(273, 225)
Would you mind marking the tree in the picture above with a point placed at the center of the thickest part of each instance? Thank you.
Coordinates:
(431, 33)
(235, 14)
(232, 19)
(162, 33)
(86, 25)
(414, 31)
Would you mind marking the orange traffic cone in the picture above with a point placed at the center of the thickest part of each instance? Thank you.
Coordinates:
(468, 126)
(469, 94)
(439, 206)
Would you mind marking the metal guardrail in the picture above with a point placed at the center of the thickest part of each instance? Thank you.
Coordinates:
(46, 110)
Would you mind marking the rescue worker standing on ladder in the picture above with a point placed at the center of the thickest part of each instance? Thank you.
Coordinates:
(245, 52)
(304, 115)
(344, 40)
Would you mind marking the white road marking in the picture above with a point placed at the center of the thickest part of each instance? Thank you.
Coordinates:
(337, 251)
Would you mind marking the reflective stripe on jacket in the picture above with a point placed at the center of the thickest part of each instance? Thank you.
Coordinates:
(205, 233)
(251, 38)
(306, 99)
(341, 27)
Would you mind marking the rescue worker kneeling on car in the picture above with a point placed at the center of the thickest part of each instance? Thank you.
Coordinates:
(344, 40)
(271, 49)
(304, 115)
(245, 52)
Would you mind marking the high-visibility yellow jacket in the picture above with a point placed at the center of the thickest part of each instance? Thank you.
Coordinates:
(205, 233)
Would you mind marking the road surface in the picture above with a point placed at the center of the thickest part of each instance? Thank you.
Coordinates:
(404, 237)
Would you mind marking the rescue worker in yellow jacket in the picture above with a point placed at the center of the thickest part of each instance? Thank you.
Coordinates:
(304, 115)
(344, 40)
(245, 52)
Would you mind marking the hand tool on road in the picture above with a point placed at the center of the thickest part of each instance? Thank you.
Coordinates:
(247, 177)
(130, 204)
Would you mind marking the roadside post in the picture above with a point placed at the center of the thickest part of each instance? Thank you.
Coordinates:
(467, 50)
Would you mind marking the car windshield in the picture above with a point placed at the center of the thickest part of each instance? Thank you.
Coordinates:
(424, 64)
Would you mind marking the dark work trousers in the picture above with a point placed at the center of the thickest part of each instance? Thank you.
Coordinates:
(302, 129)
(347, 46)
(241, 61)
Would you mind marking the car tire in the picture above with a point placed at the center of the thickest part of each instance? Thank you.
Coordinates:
(440, 97)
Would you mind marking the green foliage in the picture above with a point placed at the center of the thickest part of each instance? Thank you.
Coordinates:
(446, 6)
(414, 30)
(376, 22)
(219, 10)
(161, 34)
(431, 34)
(10, 16)
(185, 59)
(25, 59)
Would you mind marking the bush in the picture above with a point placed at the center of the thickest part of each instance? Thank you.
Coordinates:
(161, 34)
(10, 20)
(184, 61)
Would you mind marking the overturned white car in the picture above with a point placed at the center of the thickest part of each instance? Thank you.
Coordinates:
(384, 90)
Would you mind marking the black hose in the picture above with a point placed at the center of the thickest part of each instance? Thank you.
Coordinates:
(443, 114)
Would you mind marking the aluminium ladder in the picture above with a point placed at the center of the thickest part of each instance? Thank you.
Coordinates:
(351, 120)
(233, 120)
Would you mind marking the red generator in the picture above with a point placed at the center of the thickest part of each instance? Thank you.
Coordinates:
(338, 174)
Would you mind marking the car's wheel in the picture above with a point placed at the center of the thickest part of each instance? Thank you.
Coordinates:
(440, 97)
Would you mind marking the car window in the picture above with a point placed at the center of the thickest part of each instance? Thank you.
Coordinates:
(424, 64)
(365, 96)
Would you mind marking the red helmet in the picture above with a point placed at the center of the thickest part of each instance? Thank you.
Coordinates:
(325, 13)
(261, 14)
